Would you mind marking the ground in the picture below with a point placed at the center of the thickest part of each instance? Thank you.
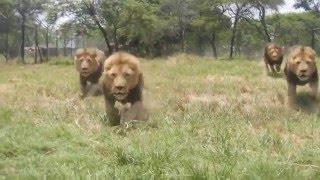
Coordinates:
(210, 119)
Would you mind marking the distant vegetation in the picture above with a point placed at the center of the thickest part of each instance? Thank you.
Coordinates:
(153, 27)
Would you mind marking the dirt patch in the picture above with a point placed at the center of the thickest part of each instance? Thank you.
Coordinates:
(182, 58)
(44, 91)
(6, 88)
(219, 99)
(235, 79)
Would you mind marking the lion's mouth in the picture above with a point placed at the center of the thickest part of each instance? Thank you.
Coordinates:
(120, 95)
(274, 58)
(84, 73)
(303, 77)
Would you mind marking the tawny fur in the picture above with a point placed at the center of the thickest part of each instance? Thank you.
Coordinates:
(301, 69)
(273, 57)
(89, 64)
(122, 84)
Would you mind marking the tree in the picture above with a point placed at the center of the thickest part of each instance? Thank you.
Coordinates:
(26, 8)
(37, 50)
(237, 10)
(7, 20)
(144, 31)
(179, 14)
(260, 7)
(209, 23)
(51, 16)
(67, 32)
(89, 14)
(309, 5)
(295, 28)
(113, 12)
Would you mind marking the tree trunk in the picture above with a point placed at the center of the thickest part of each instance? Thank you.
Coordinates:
(213, 45)
(71, 49)
(105, 36)
(35, 55)
(64, 46)
(47, 44)
(23, 26)
(40, 54)
(182, 35)
(313, 39)
(91, 11)
(37, 48)
(264, 24)
(115, 38)
(6, 48)
(233, 36)
(57, 46)
(36, 43)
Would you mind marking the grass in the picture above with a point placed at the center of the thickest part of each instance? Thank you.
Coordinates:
(209, 120)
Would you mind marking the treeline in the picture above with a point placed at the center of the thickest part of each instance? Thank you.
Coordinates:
(154, 27)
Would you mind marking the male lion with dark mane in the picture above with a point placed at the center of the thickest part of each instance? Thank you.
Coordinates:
(122, 85)
(89, 64)
(301, 69)
(273, 56)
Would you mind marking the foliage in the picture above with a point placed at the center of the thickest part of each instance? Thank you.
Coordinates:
(157, 27)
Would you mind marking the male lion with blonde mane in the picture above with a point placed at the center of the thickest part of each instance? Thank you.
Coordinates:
(122, 84)
(89, 64)
(301, 69)
(273, 56)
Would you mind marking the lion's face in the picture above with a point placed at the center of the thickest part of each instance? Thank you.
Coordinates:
(86, 64)
(302, 63)
(274, 52)
(121, 74)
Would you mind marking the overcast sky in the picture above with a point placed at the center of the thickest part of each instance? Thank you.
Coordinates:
(288, 7)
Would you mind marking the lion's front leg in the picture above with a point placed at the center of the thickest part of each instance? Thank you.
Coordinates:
(278, 67)
(138, 111)
(129, 112)
(314, 89)
(273, 69)
(267, 65)
(83, 87)
(112, 114)
(292, 93)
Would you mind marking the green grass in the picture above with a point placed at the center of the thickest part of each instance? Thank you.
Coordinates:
(209, 120)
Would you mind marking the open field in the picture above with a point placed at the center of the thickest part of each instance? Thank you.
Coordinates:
(209, 119)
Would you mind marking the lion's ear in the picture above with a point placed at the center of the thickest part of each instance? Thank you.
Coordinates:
(93, 55)
(77, 56)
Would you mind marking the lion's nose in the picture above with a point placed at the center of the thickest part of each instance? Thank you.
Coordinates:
(84, 68)
(119, 88)
(303, 70)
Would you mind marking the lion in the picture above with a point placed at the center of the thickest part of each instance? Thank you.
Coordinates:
(122, 85)
(89, 64)
(273, 57)
(301, 69)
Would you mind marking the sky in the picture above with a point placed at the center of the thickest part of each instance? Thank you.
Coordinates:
(288, 7)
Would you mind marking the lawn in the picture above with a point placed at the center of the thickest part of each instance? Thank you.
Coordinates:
(210, 119)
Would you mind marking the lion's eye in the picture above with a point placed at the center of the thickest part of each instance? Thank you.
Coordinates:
(127, 74)
(113, 75)
(298, 62)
